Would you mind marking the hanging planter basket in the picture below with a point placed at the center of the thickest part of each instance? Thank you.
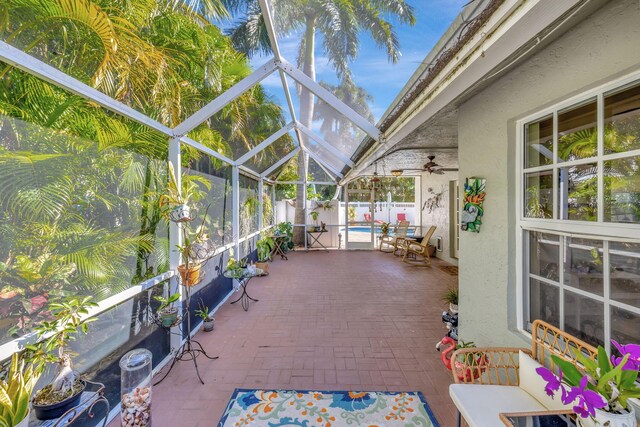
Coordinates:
(190, 276)
(181, 213)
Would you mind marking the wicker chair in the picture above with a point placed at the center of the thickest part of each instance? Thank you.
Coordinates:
(399, 231)
(498, 368)
(412, 249)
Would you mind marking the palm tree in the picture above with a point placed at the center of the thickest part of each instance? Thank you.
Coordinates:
(339, 22)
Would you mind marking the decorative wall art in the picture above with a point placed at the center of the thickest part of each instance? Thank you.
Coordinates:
(433, 202)
(472, 209)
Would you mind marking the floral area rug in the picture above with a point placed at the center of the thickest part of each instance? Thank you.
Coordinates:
(291, 408)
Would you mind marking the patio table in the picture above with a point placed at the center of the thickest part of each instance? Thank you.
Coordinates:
(243, 281)
(278, 248)
(314, 236)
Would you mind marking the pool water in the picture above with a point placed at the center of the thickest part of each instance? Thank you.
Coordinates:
(376, 230)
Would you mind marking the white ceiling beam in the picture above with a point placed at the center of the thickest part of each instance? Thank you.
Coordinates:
(207, 150)
(25, 62)
(280, 162)
(328, 172)
(264, 144)
(268, 22)
(251, 172)
(322, 162)
(221, 101)
(317, 138)
(308, 182)
(273, 39)
(329, 98)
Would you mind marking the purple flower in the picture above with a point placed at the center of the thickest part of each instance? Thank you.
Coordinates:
(633, 350)
(554, 382)
(585, 401)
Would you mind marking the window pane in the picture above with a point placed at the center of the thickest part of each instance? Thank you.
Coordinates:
(539, 195)
(544, 255)
(625, 272)
(622, 121)
(577, 136)
(539, 140)
(622, 190)
(624, 326)
(578, 192)
(583, 265)
(544, 302)
(584, 318)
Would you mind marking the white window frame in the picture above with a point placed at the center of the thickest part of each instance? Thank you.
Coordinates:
(597, 230)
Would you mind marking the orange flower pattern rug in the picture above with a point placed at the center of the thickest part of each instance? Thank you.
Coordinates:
(293, 408)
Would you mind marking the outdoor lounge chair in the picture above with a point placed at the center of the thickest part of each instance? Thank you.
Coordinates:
(417, 250)
(367, 218)
(399, 231)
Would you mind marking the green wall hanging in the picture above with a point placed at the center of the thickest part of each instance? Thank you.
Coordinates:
(472, 209)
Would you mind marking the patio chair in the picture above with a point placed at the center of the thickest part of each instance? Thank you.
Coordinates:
(418, 250)
(367, 218)
(399, 231)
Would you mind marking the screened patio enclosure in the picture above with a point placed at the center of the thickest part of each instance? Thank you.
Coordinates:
(84, 156)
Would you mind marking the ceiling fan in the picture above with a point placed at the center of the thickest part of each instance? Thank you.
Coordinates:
(431, 166)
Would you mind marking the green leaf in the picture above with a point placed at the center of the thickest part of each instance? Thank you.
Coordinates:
(603, 361)
(570, 373)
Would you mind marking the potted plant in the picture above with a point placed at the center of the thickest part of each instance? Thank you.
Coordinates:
(285, 229)
(314, 215)
(167, 312)
(451, 297)
(193, 250)
(265, 246)
(65, 390)
(600, 394)
(384, 228)
(174, 202)
(203, 313)
(16, 389)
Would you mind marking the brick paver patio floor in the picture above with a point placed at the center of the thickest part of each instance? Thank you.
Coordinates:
(330, 320)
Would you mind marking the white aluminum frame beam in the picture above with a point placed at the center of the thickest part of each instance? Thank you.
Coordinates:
(264, 144)
(273, 39)
(329, 98)
(280, 162)
(207, 150)
(317, 138)
(221, 101)
(321, 161)
(25, 62)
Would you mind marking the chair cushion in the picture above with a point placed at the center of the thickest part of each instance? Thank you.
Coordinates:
(533, 383)
(481, 405)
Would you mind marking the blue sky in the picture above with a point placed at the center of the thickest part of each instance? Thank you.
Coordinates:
(382, 79)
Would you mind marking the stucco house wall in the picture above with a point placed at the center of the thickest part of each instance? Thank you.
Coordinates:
(604, 46)
(439, 216)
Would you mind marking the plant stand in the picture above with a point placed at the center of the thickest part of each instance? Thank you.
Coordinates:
(93, 395)
(190, 348)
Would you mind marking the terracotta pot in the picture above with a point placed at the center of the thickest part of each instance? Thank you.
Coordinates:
(191, 276)
(264, 266)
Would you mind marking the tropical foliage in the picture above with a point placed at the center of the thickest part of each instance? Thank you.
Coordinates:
(79, 186)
